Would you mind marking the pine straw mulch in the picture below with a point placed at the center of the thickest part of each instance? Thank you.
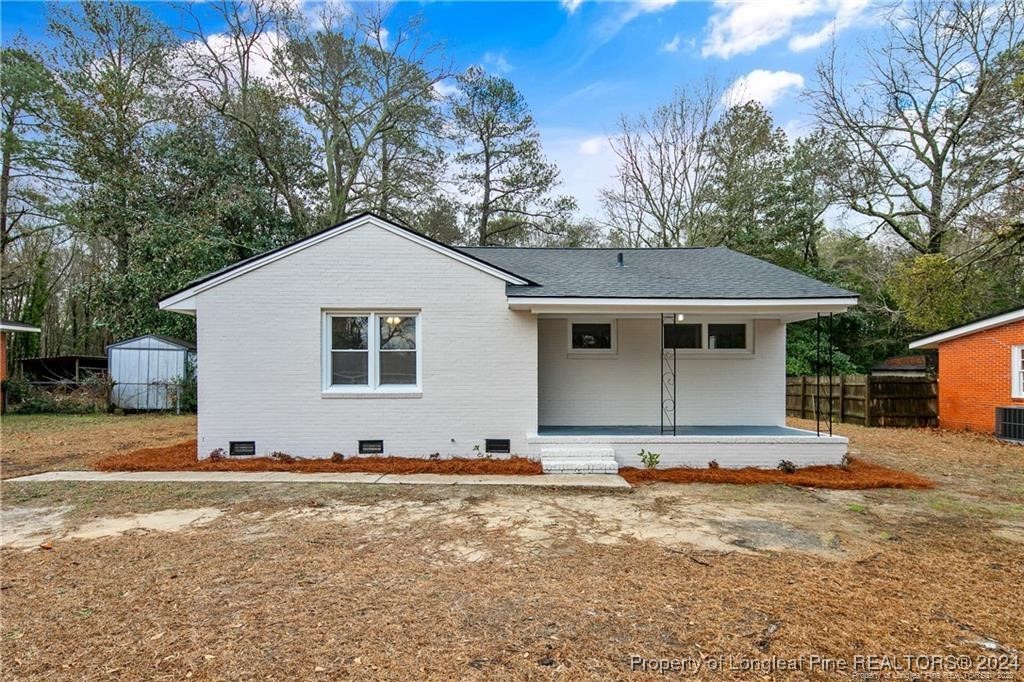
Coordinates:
(306, 598)
(182, 457)
(857, 474)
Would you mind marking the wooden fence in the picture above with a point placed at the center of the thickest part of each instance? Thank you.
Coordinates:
(866, 400)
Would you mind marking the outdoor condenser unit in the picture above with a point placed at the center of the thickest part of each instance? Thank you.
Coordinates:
(1010, 423)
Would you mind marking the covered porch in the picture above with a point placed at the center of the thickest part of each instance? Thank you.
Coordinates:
(696, 384)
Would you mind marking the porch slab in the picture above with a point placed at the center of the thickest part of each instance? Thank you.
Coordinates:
(683, 430)
(543, 481)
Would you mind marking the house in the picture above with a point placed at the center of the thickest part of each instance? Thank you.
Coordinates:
(906, 366)
(9, 327)
(981, 374)
(148, 372)
(370, 338)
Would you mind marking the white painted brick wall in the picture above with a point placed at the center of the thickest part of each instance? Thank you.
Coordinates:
(259, 339)
(625, 389)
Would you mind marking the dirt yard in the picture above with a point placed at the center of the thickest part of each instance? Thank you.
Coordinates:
(35, 443)
(167, 581)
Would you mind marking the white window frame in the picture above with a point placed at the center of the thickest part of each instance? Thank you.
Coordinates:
(373, 386)
(614, 331)
(704, 338)
(1017, 372)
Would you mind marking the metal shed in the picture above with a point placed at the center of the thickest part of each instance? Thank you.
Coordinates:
(148, 372)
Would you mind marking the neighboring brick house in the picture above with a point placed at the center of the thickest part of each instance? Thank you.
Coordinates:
(981, 368)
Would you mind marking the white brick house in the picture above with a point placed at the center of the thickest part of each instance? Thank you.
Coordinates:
(368, 336)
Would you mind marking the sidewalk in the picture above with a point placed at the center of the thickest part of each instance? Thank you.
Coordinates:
(541, 481)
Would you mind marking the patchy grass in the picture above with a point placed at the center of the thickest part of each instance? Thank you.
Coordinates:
(321, 581)
(182, 457)
(856, 475)
(48, 442)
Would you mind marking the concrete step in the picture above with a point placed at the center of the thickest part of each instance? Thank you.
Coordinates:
(577, 452)
(578, 465)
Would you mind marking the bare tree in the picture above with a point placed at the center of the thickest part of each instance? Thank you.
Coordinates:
(664, 171)
(369, 94)
(229, 72)
(933, 133)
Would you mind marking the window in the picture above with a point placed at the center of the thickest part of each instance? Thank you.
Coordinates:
(686, 336)
(727, 336)
(709, 337)
(1018, 372)
(586, 336)
(371, 352)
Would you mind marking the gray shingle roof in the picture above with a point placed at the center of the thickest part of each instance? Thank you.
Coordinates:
(651, 273)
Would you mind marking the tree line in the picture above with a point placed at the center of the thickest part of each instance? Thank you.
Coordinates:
(137, 158)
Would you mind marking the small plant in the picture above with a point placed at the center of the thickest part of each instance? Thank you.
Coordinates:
(786, 467)
(713, 464)
(279, 456)
(480, 453)
(217, 455)
(649, 459)
(857, 508)
(435, 456)
(337, 457)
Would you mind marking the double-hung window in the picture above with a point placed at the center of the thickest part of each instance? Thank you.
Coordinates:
(1017, 368)
(376, 352)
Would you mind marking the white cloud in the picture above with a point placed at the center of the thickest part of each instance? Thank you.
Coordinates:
(587, 164)
(672, 45)
(611, 26)
(741, 27)
(764, 86)
(592, 146)
(847, 11)
(571, 5)
(443, 89)
(496, 62)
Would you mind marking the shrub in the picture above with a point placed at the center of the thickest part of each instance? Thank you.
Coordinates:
(217, 455)
(91, 395)
(786, 466)
(713, 464)
(649, 459)
(281, 456)
(337, 457)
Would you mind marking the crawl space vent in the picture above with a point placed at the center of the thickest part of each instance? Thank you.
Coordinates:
(242, 448)
(498, 446)
(371, 447)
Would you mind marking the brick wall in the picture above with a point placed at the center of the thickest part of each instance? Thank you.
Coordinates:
(974, 377)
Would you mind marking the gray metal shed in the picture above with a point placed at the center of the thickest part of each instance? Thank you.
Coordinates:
(148, 371)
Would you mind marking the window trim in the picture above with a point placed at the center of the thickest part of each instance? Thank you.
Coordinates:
(704, 350)
(1017, 372)
(613, 331)
(373, 387)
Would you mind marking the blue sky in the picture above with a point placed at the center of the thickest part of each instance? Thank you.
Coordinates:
(582, 64)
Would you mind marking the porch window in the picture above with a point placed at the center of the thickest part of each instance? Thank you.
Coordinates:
(1018, 372)
(685, 336)
(587, 336)
(371, 352)
(727, 336)
(709, 337)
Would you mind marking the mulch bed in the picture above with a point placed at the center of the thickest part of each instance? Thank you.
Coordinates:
(182, 457)
(855, 475)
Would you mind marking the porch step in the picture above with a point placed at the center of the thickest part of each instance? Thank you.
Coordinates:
(582, 459)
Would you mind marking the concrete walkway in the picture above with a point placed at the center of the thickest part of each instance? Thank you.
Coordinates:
(542, 481)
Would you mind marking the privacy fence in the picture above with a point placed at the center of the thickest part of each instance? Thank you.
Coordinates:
(866, 400)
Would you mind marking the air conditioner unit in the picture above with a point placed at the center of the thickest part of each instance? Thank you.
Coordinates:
(1010, 423)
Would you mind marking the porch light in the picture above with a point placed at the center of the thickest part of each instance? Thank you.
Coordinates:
(680, 317)
(393, 320)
